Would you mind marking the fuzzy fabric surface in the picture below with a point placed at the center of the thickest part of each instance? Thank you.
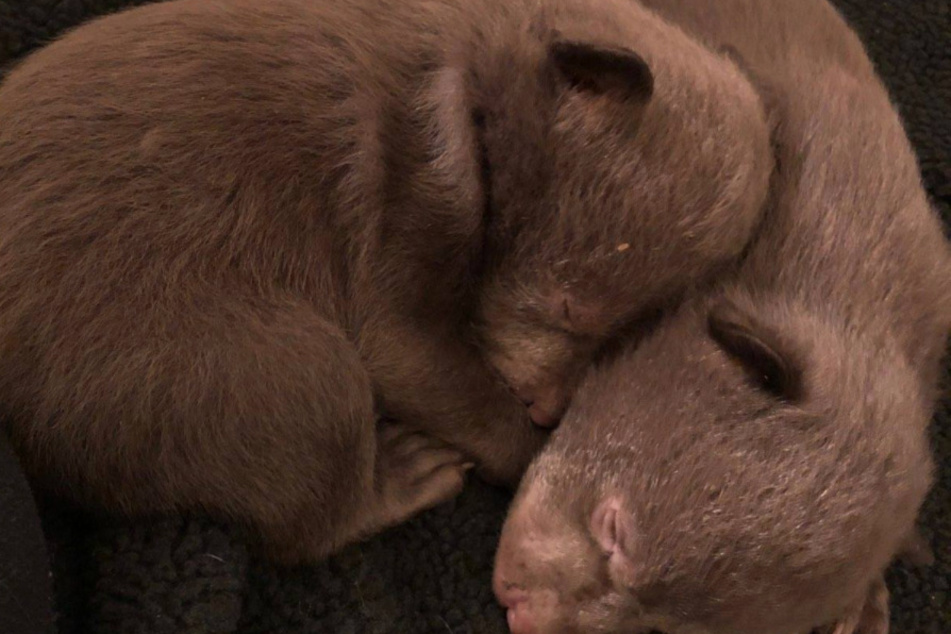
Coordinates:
(25, 585)
(431, 576)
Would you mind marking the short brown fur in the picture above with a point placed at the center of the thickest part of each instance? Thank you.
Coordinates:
(754, 465)
(233, 234)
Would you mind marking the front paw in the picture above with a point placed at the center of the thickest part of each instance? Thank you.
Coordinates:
(414, 472)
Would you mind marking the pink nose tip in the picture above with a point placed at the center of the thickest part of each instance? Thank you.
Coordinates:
(517, 608)
(519, 620)
(515, 600)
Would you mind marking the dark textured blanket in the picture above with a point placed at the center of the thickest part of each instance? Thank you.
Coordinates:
(190, 575)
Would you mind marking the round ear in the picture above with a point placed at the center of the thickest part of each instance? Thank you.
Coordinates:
(603, 70)
(869, 618)
(613, 529)
(772, 361)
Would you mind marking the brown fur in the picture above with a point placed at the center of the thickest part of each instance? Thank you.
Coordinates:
(754, 465)
(234, 233)
(625, 235)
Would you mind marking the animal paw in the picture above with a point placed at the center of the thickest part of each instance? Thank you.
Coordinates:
(415, 472)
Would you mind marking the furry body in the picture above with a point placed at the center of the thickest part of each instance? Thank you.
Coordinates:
(235, 234)
(755, 464)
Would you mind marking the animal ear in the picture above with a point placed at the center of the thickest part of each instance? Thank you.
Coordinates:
(773, 362)
(613, 529)
(603, 70)
(869, 618)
